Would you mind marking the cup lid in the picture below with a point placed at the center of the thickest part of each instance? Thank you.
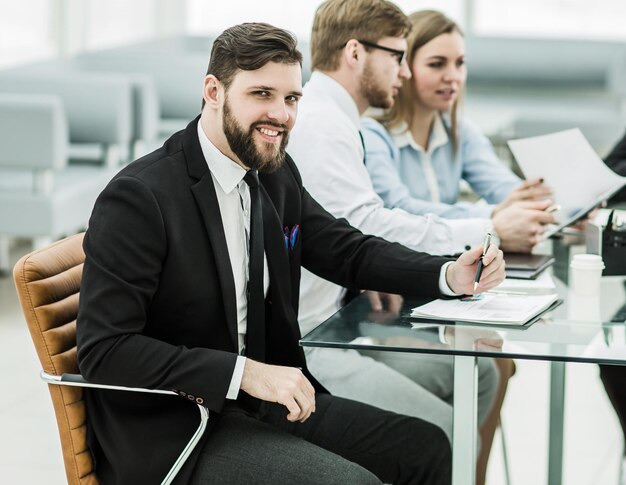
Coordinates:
(591, 261)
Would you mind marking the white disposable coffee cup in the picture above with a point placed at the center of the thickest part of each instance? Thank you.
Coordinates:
(585, 274)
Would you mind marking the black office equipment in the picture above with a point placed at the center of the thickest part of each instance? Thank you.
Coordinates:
(614, 246)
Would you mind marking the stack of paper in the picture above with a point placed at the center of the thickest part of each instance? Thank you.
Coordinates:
(491, 308)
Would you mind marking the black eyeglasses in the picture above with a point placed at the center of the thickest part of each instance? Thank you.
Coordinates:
(399, 55)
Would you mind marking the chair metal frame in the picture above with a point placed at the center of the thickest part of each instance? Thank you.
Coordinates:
(78, 380)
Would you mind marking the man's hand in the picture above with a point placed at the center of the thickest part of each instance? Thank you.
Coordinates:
(460, 274)
(521, 225)
(476, 338)
(533, 189)
(385, 302)
(285, 385)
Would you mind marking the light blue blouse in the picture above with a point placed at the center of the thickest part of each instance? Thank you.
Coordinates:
(420, 182)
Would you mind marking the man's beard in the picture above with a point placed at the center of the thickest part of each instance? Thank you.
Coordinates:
(376, 96)
(242, 144)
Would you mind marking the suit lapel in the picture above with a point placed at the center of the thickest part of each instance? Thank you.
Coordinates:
(206, 198)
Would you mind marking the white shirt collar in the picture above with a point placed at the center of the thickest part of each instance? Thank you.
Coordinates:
(226, 172)
(402, 136)
(327, 86)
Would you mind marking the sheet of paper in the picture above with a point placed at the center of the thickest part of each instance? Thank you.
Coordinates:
(543, 284)
(488, 308)
(578, 177)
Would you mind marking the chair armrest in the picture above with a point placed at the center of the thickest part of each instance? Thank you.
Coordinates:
(78, 380)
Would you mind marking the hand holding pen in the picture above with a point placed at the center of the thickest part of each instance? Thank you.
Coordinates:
(461, 275)
(480, 265)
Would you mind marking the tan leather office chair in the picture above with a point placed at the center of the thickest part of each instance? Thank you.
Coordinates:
(48, 284)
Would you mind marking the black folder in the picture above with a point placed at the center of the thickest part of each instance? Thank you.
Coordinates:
(526, 266)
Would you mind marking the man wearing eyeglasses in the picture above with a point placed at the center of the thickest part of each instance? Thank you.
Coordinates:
(358, 60)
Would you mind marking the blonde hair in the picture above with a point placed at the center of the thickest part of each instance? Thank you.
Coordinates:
(338, 21)
(425, 26)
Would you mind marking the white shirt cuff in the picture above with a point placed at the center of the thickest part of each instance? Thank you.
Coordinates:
(468, 232)
(443, 284)
(235, 381)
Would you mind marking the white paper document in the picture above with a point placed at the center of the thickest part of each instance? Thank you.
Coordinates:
(579, 179)
(544, 284)
(488, 308)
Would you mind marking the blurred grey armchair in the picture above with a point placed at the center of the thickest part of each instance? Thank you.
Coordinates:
(42, 198)
(99, 108)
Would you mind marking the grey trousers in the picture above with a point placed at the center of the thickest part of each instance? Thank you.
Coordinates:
(418, 385)
(343, 442)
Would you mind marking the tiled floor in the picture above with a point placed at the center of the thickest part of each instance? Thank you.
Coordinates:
(30, 452)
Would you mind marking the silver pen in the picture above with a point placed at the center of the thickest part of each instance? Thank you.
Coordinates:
(479, 267)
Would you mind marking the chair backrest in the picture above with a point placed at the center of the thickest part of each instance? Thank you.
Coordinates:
(27, 117)
(98, 107)
(48, 284)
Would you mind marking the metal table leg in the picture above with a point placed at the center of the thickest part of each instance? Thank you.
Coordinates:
(464, 421)
(557, 418)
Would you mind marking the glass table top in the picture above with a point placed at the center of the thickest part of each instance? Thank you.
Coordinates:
(579, 330)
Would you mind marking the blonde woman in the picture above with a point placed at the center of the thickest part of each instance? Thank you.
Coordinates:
(420, 149)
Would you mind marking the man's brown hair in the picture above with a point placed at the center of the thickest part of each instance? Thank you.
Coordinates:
(248, 47)
(338, 21)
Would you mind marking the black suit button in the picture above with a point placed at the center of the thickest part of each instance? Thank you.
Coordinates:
(199, 400)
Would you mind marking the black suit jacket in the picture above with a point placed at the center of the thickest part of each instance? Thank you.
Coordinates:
(617, 161)
(157, 302)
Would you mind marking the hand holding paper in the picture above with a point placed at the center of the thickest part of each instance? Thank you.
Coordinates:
(578, 177)
(531, 189)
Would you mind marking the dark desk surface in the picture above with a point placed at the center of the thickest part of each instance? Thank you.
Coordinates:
(576, 331)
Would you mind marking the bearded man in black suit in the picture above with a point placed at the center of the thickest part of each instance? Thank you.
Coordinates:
(175, 262)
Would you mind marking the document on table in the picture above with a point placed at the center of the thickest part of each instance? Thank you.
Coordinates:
(490, 308)
(579, 179)
(542, 285)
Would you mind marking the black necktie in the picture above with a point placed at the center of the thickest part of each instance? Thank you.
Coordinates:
(255, 333)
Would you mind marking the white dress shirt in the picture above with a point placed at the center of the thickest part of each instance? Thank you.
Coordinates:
(326, 146)
(235, 211)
